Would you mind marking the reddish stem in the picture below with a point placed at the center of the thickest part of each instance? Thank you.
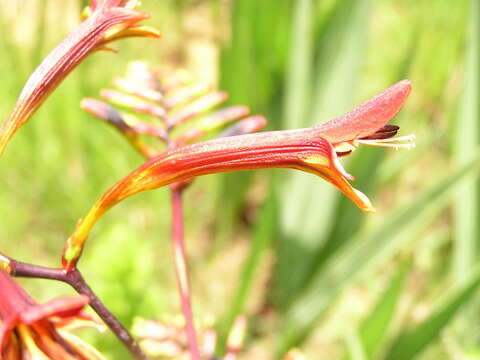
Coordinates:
(181, 268)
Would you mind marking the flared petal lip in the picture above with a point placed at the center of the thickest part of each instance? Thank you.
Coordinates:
(335, 174)
(67, 306)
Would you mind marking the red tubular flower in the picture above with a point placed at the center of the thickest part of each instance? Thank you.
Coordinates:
(106, 22)
(32, 331)
(313, 150)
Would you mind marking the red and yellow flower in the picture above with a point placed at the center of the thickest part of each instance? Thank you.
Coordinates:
(32, 331)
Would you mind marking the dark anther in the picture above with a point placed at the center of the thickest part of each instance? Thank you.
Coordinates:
(343, 153)
(385, 132)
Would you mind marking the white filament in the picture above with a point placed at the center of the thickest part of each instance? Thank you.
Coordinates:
(403, 142)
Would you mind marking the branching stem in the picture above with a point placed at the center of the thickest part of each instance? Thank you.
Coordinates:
(75, 279)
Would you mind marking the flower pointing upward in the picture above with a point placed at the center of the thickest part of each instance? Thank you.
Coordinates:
(315, 150)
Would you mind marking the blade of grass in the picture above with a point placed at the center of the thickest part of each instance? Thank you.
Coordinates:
(366, 252)
(297, 99)
(467, 137)
(466, 210)
(355, 347)
(299, 72)
(412, 342)
(373, 329)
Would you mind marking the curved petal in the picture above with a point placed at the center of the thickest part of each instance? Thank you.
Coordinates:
(5, 327)
(67, 306)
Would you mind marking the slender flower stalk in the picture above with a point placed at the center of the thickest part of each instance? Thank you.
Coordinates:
(181, 268)
(105, 22)
(315, 150)
(212, 122)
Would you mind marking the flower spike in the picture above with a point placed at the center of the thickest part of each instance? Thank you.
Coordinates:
(106, 22)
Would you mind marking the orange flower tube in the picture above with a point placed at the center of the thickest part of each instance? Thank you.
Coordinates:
(314, 150)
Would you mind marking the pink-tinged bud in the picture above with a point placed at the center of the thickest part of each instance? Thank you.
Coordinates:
(248, 125)
(107, 22)
(172, 81)
(129, 130)
(212, 122)
(196, 108)
(32, 331)
(315, 150)
(137, 90)
(133, 103)
(106, 112)
(185, 94)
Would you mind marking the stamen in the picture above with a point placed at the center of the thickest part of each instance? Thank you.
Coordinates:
(403, 142)
(4, 259)
(385, 132)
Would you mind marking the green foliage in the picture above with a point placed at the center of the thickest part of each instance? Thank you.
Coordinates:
(466, 140)
(412, 341)
(367, 251)
(374, 328)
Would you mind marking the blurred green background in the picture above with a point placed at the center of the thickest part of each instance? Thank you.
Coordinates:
(299, 259)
